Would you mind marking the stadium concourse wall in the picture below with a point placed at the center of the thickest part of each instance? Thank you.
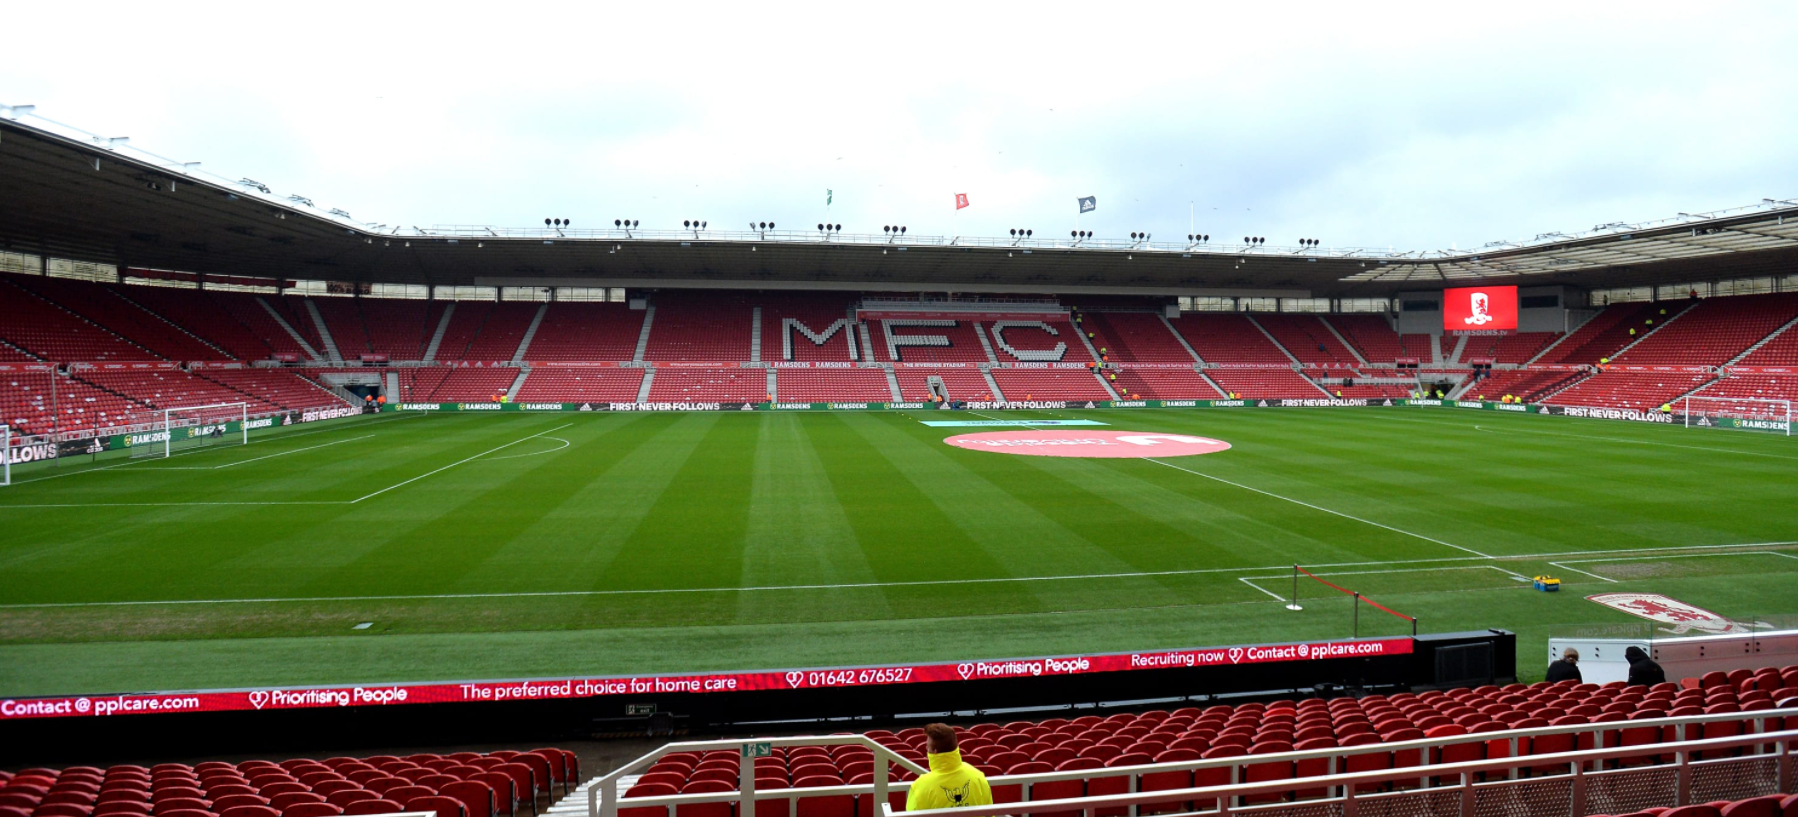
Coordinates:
(552, 708)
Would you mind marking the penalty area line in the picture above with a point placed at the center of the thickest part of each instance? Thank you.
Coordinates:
(1320, 508)
(458, 462)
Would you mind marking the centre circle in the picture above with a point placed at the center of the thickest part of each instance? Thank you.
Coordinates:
(1080, 443)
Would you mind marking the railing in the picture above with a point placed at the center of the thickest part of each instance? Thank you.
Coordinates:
(1482, 788)
(603, 801)
(603, 796)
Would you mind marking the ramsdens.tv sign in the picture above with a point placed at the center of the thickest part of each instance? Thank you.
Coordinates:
(1479, 310)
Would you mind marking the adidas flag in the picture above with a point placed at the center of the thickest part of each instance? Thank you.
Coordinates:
(1089, 204)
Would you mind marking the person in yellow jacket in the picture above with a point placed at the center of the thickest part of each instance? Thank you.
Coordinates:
(950, 782)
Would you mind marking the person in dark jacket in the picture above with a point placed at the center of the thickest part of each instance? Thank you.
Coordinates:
(1566, 669)
(1643, 671)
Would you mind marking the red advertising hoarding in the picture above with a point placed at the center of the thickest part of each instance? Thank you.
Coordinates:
(566, 688)
(1479, 310)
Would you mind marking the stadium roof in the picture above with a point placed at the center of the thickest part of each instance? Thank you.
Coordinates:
(69, 194)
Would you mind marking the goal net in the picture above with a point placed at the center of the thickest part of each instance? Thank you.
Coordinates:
(1741, 413)
(190, 427)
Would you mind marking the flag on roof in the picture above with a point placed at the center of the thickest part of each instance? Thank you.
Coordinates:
(1088, 204)
(828, 195)
(961, 200)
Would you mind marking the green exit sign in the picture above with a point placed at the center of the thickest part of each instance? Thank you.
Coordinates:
(639, 709)
(758, 750)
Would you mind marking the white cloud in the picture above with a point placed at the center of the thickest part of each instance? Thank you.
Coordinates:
(1362, 124)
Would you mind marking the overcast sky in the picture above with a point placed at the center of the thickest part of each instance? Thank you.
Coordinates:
(1362, 124)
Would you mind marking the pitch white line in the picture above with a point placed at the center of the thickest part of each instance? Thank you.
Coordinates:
(1402, 570)
(212, 450)
(564, 443)
(1638, 442)
(854, 586)
(295, 451)
(1584, 572)
(1320, 508)
(1301, 502)
(1251, 583)
(457, 462)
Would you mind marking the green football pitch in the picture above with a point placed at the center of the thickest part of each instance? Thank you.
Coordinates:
(423, 547)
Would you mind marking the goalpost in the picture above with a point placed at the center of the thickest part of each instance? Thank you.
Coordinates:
(198, 427)
(5, 455)
(1741, 413)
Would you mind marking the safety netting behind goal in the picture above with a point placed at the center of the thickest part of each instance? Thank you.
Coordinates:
(1738, 413)
(191, 427)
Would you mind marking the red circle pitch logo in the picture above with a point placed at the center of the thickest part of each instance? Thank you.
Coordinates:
(1072, 443)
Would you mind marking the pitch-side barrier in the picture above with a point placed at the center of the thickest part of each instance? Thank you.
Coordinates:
(1576, 783)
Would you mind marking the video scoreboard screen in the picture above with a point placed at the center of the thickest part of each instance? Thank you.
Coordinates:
(1479, 310)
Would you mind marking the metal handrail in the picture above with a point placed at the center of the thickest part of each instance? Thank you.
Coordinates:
(603, 797)
(1348, 783)
(1330, 753)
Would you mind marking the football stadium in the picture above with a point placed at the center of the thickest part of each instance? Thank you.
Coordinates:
(307, 516)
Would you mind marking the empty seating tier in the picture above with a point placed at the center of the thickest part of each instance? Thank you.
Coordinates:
(701, 326)
(926, 340)
(832, 385)
(1049, 384)
(1713, 332)
(587, 332)
(1133, 337)
(1254, 384)
(708, 385)
(559, 384)
(961, 384)
(1226, 338)
(1163, 384)
(1308, 339)
(463, 784)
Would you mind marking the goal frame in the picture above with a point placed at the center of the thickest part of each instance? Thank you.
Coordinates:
(1781, 409)
(5, 455)
(168, 428)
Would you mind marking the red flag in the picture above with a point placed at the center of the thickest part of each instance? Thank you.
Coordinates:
(961, 200)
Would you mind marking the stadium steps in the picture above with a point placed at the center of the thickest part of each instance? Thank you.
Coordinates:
(893, 384)
(991, 383)
(861, 328)
(1342, 340)
(1454, 358)
(324, 332)
(177, 327)
(288, 328)
(449, 311)
(1544, 351)
(1271, 339)
(518, 382)
(5, 344)
(1762, 342)
(76, 376)
(773, 378)
(1436, 350)
(524, 343)
(1104, 383)
(1548, 393)
(755, 338)
(1080, 333)
(1213, 383)
(1648, 334)
(985, 345)
(1183, 344)
(78, 316)
(649, 319)
(649, 373)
